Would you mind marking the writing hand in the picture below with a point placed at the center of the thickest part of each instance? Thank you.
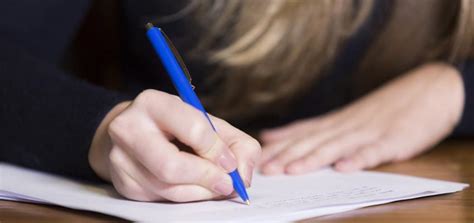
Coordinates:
(134, 149)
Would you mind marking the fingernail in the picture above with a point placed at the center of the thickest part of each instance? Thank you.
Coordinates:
(223, 187)
(227, 161)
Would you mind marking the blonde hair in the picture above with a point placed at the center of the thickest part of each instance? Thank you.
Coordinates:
(273, 49)
(417, 32)
(462, 38)
(266, 52)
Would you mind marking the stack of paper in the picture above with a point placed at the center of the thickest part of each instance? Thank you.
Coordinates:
(279, 198)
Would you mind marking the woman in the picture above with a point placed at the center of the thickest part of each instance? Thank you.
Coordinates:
(394, 77)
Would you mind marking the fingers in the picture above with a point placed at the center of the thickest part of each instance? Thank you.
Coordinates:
(152, 149)
(386, 149)
(136, 182)
(143, 188)
(187, 193)
(290, 151)
(189, 125)
(128, 187)
(271, 151)
(297, 149)
(368, 157)
(246, 149)
(148, 166)
(327, 154)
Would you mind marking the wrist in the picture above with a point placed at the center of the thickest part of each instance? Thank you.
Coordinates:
(101, 143)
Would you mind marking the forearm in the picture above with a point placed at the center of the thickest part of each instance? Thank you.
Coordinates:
(48, 117)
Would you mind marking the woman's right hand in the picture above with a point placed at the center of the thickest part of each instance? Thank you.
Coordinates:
(133, 149)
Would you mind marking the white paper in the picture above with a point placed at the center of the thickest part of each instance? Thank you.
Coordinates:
(278, 198)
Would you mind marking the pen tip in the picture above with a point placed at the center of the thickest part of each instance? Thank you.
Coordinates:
(247, 202)
(149, 25)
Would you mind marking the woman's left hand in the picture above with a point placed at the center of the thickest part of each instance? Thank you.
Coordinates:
(396, 122)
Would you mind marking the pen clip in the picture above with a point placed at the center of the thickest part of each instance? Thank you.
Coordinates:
(178, 57)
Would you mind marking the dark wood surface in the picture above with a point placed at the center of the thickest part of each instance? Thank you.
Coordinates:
(452, 160)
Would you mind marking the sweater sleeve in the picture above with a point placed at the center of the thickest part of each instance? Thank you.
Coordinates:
(48, 117)
(465, 127)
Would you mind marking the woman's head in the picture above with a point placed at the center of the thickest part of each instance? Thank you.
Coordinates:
(267, 52)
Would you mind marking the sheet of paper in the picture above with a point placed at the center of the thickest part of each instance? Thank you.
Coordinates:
(278, 198)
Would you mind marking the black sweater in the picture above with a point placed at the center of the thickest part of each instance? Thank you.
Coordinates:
(48, 116)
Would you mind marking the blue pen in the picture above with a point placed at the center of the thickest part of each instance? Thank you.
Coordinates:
(182, 82)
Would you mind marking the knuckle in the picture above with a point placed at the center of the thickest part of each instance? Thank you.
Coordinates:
(199, 130)
(168, 101)
(254, 146)
(115, 156)
(250, 148)
(146, 96)
(157, 101)
(117, 125)
(120, 129)
(151, 97)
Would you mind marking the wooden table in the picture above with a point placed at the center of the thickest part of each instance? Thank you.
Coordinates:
(452, 160)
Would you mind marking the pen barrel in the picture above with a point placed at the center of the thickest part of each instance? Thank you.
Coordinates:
(175, 72)
(185, 90)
